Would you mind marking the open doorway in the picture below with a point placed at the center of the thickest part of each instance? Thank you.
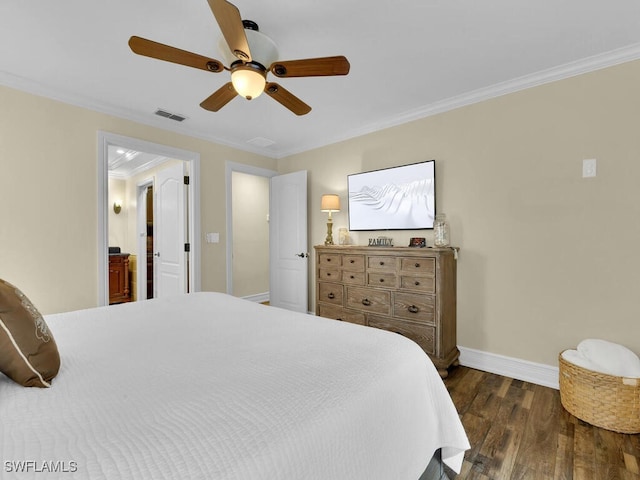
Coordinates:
(248, 206)
(148, 233)
(140, 202)
(250, 211)
(145, 271)
(148, 246)
(286, 235)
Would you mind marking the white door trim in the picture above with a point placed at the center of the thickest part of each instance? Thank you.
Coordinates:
(231, 167)
(105, 139)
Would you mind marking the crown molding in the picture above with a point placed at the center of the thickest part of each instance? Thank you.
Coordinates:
(561, 72)
(572, 69)
(36, 88)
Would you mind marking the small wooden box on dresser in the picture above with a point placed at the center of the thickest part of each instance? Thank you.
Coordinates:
(411, 291)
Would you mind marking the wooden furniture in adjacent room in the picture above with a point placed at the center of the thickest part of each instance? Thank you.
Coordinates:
(133, 277)
(119, 289)
(411, 291)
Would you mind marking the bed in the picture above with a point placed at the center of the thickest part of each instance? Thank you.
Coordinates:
(209, 386)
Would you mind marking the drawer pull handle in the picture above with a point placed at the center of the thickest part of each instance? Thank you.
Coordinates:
(328, 274)
(413, 309)
(352, 261)
(351, 277)
(417, 265)
(328, 259)
(339, 319)
(331, 296)
(366, 302)
(382, 280)
(381, 263)
(417, 283)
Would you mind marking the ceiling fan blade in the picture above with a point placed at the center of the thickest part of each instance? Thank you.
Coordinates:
(152, 49)
(286, 98)
(228, 18)
(219, 98)
(311, 67)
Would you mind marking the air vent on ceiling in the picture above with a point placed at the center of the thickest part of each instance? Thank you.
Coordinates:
(173, 116)
(261, 142)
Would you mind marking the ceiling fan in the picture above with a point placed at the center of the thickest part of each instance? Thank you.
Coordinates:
(251, 56)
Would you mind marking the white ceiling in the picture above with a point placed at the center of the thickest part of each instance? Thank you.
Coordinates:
(409, 59)
(125, 163)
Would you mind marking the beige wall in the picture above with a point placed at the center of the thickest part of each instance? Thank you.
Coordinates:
(48, 184)
(548, 258)
(118, 222)
(250, 234)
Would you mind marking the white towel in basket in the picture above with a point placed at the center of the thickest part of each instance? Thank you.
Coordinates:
(605, 357)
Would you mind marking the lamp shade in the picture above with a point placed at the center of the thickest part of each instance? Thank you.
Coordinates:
(330, 203)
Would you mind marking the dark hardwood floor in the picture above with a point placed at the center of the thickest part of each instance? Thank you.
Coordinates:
(519, 430)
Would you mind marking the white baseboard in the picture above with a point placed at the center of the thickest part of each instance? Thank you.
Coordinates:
(538, 373)
(258, 297)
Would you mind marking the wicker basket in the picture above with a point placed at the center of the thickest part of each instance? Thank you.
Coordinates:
(602, 400)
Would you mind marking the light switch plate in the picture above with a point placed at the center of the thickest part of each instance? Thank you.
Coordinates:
(588, 167)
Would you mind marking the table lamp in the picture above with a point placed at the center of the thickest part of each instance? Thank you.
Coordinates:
(330, 203)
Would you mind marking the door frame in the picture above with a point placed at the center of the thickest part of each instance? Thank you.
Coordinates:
(141, 223)
(106, 139)
(231, 167)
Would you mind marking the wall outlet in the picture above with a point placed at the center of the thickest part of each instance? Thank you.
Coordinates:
(588, 167)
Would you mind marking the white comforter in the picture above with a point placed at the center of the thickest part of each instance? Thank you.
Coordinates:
(207, 386)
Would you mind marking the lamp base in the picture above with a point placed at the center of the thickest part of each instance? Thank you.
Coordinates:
(329, 239)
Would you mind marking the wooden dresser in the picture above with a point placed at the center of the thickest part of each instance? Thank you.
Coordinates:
(411, 291)
(119, 288)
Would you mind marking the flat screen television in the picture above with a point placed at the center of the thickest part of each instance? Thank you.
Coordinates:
(396, 198)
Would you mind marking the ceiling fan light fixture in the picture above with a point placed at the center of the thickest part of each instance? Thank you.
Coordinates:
(250, 56)
(248, 79)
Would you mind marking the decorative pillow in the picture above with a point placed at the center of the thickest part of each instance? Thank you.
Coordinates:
(28, 352)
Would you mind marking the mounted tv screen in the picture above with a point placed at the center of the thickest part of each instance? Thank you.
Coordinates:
(397, 198)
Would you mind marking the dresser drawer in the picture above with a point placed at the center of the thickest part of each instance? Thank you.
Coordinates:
(327, 260)
(353, 263)
(418, 283)
(339, 313)
(382, 263)
(423, 335)
(422, 266)
(381, 279)
(330, 293)
(330, 274)
(353, 278)
(418, 308)
(369, 300)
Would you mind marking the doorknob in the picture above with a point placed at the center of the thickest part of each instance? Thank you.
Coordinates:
(302, 255)
(157, 254)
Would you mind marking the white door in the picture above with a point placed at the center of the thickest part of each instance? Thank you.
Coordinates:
(169, 226)
(288, 256)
